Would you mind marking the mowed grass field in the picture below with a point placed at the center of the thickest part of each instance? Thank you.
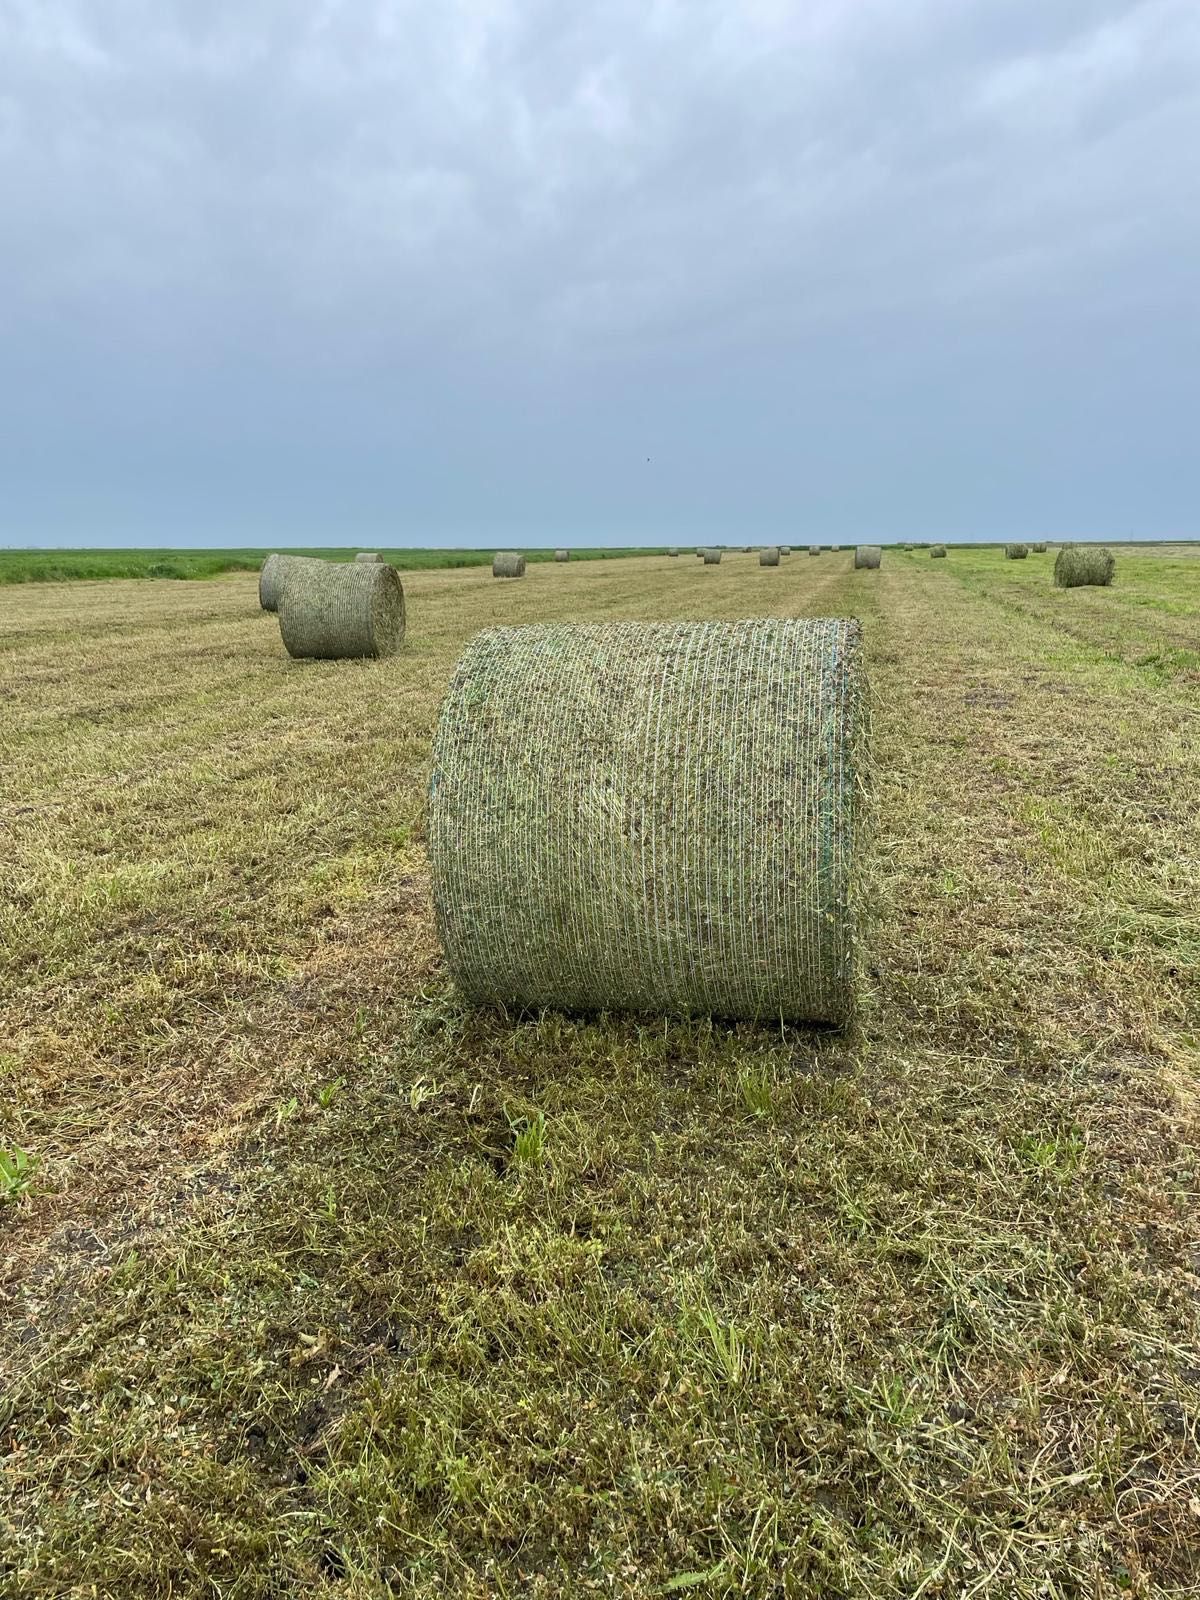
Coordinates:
(319, 1284)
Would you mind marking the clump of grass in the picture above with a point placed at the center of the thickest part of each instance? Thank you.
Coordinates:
(1078, 566)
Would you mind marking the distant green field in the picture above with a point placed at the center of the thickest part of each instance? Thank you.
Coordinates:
(63, 566)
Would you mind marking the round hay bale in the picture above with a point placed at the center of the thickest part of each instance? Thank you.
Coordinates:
(769, 557)
(653, 817)
(273, 572)
(712, 558)
(674, 550)
(785, 549)
(508, 564)
(1016, 552)
(1040, 548)
(814, 549)
(868, 555)
(908, 547)
(368, 555)
(1079, 565)
(835, 548)
(339, 611)
(562, 555)
(937, 552)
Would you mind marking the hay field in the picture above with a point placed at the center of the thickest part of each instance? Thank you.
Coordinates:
(320, 1285)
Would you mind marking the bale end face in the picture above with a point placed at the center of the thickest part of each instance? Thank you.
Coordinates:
(719, 874)
(868, 555)
(342, 611)
(1083, 566)
(769, 557)
(508, 564)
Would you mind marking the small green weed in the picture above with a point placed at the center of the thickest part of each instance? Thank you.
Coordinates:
(16, 1174)
(529, 1139)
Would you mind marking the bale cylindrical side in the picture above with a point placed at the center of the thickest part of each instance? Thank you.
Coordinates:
(652, 817)
(1079, 565)
(338, 611)
(508, 564)
(273, 572)
(712, 558)
(769, 557)
(562, 555)
(1016, 552)
(937, 552)
(368, 555)
(1040, 547)
(868, 555)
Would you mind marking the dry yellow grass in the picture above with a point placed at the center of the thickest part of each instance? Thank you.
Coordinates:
(321, 1285)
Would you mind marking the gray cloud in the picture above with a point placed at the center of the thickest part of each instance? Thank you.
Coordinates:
(405, 271)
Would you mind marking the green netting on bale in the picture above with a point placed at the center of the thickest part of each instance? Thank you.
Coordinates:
(868, 555)
(341, 610)
(508, 564)
(1078, 566)
(657, 817)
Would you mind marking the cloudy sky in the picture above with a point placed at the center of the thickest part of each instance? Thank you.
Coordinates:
(457, 271)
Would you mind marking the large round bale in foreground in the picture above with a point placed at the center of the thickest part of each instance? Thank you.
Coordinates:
(868, 555)
(937, 552)
(769, 557)
(653, 817)
(1079, 565)
(712, 558)
(1016, 552)
(273, 572)
(340, 611)
(368, 555)
(562, 555)
(508, 564)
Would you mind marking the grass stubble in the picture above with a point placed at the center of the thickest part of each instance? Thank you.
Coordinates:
(322, 1284)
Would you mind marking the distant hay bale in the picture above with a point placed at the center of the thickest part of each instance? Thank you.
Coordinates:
(686, 797)
(338, 611)
(747, 549)
(785, 549)
(674, 550)
(814, 549)
(1040, 548)
(868, 555)
(908, 547)
(1079, 565)
(937, 552)
(368, 555)
(562, 555)
(712, 558)
(1016, 552)
(835, 548)
(769, 557)
(508, 564)
(271, 576)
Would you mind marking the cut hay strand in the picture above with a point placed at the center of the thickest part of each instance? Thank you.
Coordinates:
(712, 558)
(684, 843)
(1016, 552)
(368, 555)
(339, 611)
(1079, 565)
(508, 564)
(769, 556)
(273, 572)
(937, 552)
(868, 555)
(562, 555)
